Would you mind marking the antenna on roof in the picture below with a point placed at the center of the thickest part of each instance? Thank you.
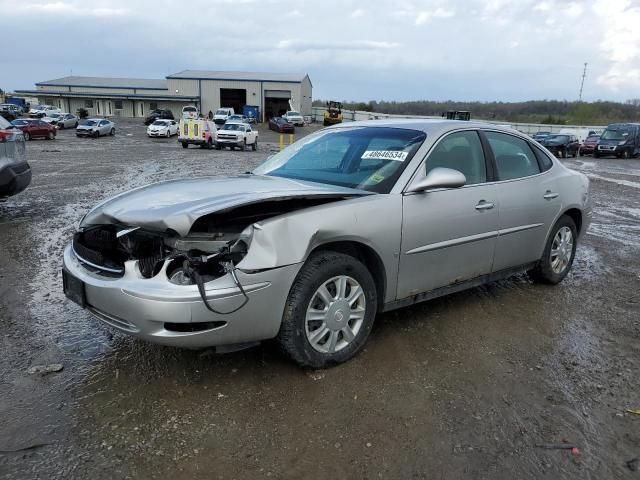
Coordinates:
(584, 74)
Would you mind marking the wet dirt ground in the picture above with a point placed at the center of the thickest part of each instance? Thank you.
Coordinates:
(460, 387)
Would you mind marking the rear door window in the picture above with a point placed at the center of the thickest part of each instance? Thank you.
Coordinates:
(514, 158)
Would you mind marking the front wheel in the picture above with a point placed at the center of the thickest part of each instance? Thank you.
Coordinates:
(596, 154)
(185, 145)
(254, 146)
(558, 254)
(329, 312)
(51, 136)
(96, 134)
(27, 136)
(244, 145)
(112, 132)
(625, 155)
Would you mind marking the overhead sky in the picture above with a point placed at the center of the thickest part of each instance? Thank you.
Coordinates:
(505, 50)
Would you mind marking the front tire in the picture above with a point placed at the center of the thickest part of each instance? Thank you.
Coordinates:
(112, 132)
(51, 136)
(185, 145)
(558, 254)
(329, 311)
(27, 136)
(254, 146)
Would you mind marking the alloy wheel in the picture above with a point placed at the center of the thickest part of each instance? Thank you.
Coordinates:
(335, 314)
(561, 250)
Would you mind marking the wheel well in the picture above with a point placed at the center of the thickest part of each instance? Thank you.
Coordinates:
(367, 256)
(576, 216)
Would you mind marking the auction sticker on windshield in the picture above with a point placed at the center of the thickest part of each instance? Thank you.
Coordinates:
(385, 155)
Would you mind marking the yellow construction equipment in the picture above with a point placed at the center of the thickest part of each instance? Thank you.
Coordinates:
(333, 114)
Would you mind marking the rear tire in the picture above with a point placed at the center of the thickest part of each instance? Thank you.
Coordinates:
(344, 321)
(244, 145)
(209, 144)
(185, 145)
(254, 146)
(558, 254)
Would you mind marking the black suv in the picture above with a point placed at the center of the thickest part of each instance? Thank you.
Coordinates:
(15, 173)
(562, 144)
(159, 114)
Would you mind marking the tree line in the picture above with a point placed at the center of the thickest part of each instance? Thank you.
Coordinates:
(552, 112)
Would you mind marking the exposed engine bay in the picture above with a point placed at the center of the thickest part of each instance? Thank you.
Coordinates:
(215, 245)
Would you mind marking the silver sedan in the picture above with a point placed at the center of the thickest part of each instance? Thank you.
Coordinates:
(95, 127)
(348, 222)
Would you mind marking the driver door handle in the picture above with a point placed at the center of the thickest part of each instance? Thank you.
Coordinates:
(482, 205)
(550, 195)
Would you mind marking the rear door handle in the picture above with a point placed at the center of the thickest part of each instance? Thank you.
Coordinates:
(482, 205)
(550, 195)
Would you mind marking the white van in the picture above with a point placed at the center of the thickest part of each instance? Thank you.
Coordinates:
(222, 114)
(189, 111)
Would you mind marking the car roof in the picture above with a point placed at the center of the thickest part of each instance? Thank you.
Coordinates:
(429, 126)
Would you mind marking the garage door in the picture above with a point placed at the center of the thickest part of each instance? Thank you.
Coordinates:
(277, 94)
(276, 103)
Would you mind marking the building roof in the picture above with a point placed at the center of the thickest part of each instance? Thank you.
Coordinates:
(131, 96)
(108, 82)
(250, 76)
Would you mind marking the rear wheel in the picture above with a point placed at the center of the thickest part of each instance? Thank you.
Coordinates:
(254, 146)
(563, 153)
(244, 145)
(185, 145)
(558, 254)
(329, 312)
(209, 144)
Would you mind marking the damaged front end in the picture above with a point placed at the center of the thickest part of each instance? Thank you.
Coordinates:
(214, 246)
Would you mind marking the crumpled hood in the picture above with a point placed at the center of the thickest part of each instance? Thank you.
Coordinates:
(177, 204)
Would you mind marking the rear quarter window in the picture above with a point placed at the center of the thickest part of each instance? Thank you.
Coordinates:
(543, 159)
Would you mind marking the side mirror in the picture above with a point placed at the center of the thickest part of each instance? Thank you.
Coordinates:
(440, 178)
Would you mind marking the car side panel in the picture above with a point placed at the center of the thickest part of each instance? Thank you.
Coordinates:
(525, 217)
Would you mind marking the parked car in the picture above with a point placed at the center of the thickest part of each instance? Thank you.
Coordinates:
(236, 135)
(21, 104)
(356, 219)
(35, 128)
(279, 124)
(190, 112)
(199, 132)
(236, 118)
(621, 140)
(163, 128)
(589, 145)
(562, 145)
(8, 114)
(11, 108)
(95, 127)
(62, 120)
(222, 114)
(15, 172)
(40, 111)
(294, 117)
(539, 136)
(164, 114)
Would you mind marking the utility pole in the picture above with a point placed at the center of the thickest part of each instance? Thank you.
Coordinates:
(584, 74)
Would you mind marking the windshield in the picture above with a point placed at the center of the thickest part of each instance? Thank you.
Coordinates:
(293, 114)
(160, 123)
(4, 123)
(189, 109)
(19, 123)
(592, 139)
(232, 126)
(91, 123)
(368, 158)
(615, 134)
(557, 138)
(222, 112)
(39, 107)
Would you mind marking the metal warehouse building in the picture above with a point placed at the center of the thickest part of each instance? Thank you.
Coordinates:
(208, 90)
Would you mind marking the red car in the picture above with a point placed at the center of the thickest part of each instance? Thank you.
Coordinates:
(35, 128)
(589, 145)
(279, 124)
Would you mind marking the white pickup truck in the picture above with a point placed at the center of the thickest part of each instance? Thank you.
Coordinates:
(236, 135)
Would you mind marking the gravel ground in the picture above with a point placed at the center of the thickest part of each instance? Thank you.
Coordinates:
(461, 387)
